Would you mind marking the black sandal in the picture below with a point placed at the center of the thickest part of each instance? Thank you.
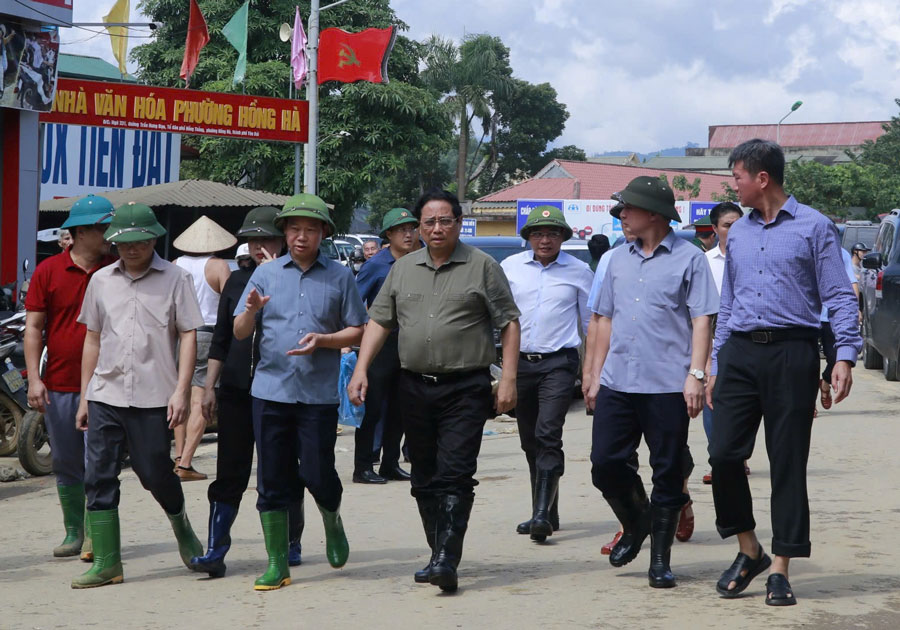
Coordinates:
(742, 563)
(778, 591)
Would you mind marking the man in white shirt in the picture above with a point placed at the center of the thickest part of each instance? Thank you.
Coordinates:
(550, 288)
(722, 216)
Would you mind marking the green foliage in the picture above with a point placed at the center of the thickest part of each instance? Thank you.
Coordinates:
(370, 135)
(691, 189)
(729, 194)
(568, 152)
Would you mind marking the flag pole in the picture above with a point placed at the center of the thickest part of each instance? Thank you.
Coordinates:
(310, 172)
(312, 96)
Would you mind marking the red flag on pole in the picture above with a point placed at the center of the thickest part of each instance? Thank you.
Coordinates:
(349, 57)
(197, 38)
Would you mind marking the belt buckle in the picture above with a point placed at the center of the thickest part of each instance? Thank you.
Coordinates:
(533, 356)
(761, 336)
(430, 378)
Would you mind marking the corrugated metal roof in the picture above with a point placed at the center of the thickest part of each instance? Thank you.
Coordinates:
(598, 181)
(190, 193)
(797, 135)
(88, 67)
(692, 162)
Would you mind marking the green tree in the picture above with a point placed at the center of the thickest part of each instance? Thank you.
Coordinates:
(470, 76)
(527, 120)
(568, 152)
(681, 184)
(364, 127)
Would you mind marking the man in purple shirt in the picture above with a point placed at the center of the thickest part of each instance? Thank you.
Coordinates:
(783, 263)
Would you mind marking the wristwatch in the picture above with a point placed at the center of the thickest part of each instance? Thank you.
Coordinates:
(697, 374)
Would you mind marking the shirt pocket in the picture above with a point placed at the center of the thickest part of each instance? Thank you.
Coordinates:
(157, 316)
(666, 290)
(409, 309)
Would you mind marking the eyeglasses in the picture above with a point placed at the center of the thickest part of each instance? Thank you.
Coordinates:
(445, 222)
(408, 228)
(542, 235)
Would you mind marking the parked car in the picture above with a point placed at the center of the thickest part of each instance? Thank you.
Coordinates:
(879, 296)
(853, 232)
(360, 239)
(497, 247)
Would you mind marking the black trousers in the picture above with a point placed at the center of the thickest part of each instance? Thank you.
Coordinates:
(444, 424)
(828, 347)
(620, 419)
(234, 459)
(146, 433)
(777, 381)
(544, 393)
(381, 402)
(286, 432)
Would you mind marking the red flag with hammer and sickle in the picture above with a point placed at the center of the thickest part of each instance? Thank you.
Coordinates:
(349, 57)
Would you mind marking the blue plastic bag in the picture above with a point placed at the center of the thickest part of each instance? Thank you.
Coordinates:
(348, 414)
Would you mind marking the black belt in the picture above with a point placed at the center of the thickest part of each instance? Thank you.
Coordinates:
(773, 335)
(534, 357)
(446, 377)
(206, 329)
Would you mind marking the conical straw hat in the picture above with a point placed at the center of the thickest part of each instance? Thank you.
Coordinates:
(204, 236)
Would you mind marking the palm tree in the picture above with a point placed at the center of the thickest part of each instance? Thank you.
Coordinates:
(469, 75)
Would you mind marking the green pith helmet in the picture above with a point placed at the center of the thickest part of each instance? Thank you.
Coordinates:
(548, 216)
(395, 217)
(702, 222)
(260, 222)
(306, 205)
(650, 194)
(133, 222)
(90, 210)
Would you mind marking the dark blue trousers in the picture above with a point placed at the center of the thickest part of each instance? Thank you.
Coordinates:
(286, 433)
(620, 419)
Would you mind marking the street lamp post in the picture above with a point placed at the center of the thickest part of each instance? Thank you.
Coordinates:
(794, 108)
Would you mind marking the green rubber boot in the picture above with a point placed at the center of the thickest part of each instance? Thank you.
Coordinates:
(107, 567)
(188, 544)
(71, 499)
(337, 549)
(275, 532)
(87, 547)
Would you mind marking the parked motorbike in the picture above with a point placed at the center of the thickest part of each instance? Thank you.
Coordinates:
(13, 389)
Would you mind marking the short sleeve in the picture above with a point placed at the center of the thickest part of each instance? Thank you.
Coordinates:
(383, 310)
(500, 302)
(90, 314)
(603, 302)
(187, 308)
(702, 296)
(256, 282)
(353, 310)
(36, 298)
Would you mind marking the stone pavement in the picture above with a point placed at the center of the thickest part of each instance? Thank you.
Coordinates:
(506, 581)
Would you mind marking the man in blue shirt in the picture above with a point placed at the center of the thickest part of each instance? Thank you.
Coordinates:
(550, 289)
(783, 263)
(647, 375)
(308, 308)
(401, 229)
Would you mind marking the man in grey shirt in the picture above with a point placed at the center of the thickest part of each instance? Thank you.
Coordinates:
(646, 371)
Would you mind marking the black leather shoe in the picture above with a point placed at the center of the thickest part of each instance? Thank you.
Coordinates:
(393, 473)
(368, 476)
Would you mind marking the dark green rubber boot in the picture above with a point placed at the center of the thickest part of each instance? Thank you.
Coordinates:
(275, 532)
(188, 544)
(337, 549)
(87, 547)
(71, 499)
(107, 566)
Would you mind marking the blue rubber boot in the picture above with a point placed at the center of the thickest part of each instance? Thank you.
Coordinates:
(221, 518)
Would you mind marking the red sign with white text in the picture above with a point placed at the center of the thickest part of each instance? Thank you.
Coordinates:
(148, 108)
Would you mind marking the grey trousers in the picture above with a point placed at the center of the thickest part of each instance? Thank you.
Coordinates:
(145, 431)
(67, 444)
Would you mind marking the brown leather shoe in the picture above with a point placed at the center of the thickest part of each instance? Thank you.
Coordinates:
(685, 522)
(707, 478)
(606, 549)
(189, 474)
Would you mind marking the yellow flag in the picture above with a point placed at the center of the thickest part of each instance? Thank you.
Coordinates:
(118, 35)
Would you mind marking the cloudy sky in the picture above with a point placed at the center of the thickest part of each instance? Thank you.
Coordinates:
(651, 74)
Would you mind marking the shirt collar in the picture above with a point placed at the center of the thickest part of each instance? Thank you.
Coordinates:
(561, 259)
(790, 206)
(460, 254)
(286, 260)
(717, 252)
(668, 243)
(156, 263)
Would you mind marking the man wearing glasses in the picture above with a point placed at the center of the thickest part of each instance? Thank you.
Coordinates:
(401, 229)
(446, 299)
(551, 289)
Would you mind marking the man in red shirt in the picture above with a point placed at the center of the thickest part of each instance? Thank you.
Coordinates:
(52, 305)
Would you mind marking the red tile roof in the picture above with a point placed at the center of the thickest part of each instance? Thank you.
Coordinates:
(802, 135)
(597, 181)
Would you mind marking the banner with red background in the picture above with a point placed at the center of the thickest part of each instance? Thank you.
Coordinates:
(144, 107)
